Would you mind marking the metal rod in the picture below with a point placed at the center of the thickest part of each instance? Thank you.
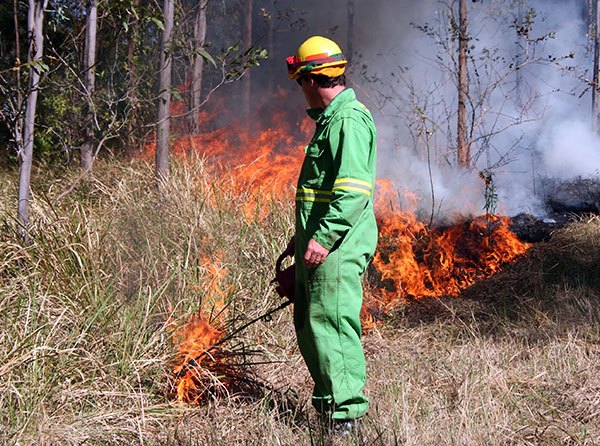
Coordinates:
(194, 361)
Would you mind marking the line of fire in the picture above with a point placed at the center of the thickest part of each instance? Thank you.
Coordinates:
(414, 260)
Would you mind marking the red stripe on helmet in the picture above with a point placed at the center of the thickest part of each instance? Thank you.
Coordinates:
(293, 62)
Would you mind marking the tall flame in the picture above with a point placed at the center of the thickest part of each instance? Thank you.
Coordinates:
(202, 366)
(196, 358)
(258, 162)
(412, 260)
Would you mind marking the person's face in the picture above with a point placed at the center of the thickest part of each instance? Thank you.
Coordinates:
(309, 90)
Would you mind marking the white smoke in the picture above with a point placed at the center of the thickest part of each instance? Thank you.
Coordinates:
(571, 150)
(396, 71)
(554, 138)
(445, 192)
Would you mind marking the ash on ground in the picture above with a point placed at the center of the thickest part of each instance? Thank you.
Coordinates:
(566, 202)
(581, 195)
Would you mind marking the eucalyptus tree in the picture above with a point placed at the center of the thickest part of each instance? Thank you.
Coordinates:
(595, 13)
(463, 144)
(164, 95)
(350, 31)
(35, 24)
(87, 149)
(198, 56)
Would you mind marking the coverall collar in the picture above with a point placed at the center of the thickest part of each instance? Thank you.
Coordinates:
(323, 116)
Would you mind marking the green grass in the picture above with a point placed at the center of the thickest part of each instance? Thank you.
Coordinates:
(87, 313)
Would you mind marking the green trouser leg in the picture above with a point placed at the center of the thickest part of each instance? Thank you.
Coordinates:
(327, 321)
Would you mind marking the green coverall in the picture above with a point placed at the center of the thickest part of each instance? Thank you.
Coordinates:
(334, 206)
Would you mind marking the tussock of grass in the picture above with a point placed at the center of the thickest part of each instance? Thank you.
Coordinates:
(88, 309)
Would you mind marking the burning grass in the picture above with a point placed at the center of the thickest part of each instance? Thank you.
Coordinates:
(412, 260)
(88, 314)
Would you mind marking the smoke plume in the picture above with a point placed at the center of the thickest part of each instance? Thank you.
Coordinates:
(534, 123)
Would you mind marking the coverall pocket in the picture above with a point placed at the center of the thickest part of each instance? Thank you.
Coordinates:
(314, 150)
(315, 164)
(329, 271)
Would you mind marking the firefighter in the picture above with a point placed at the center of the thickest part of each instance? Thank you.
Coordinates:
(336, 232)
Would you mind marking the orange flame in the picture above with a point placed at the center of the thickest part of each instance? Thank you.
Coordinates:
(415, 261)
(195, 359)
(202, 367)
(257, 163)
(213, 286)
(412, 260)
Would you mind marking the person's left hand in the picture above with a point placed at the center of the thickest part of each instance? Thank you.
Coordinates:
(315, 254)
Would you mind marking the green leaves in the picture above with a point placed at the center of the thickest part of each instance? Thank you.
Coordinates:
(38, 65)
(206, 55)
(240, 62)
(158, 23)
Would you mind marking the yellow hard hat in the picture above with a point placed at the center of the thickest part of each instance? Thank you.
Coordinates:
(317, 55)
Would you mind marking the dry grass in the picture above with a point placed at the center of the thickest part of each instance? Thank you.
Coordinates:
(88, 310)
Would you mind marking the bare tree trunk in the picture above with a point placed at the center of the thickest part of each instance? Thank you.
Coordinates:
(87, 149)
(270, 49)
(596, 83)
(518, 61)
(198, 65)
(17, 128)
(164, 96)
(35, 22)
(590, 17)
(247, 41)
(132, 122)
(350, 34)
(463, 150)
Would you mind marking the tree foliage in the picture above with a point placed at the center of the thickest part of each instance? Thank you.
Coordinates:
(123, 105)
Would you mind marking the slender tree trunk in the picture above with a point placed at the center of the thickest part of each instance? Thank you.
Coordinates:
(590, 17)
(35, 22)
(518, 60)
(132, 123)
(87, 149)
(164, 96)
(247, 41)
(271, 49)
(17, 36)
(596, 86)
(350, 34)
(198, 65)
(463, 88)
(17, 128)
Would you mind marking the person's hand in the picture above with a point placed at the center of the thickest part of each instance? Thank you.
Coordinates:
(315, 254)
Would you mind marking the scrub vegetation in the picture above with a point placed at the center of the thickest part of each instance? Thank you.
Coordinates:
(88, 310)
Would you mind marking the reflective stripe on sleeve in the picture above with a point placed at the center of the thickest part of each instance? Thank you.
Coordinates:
(353, 184)
(316, 195)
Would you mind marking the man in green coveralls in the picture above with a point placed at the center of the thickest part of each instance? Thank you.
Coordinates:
(336, 232)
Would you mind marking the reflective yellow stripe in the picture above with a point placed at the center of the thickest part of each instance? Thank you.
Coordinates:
(315, 195)
(324, 196)
(353, 184)
(314, 199)
(354, 181)
(305, 190)
(353, 188)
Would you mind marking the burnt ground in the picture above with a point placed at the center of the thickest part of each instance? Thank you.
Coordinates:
(579, 195)
(556, 280)
(566, 202)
